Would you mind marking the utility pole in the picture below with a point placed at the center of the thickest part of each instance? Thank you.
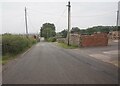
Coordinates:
(117, 18)
(118, 15)
(69, 6)
(26, 22)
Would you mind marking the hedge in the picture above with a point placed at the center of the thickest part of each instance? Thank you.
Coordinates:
(14, 44)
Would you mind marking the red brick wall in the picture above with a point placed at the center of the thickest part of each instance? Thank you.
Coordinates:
(99, 39)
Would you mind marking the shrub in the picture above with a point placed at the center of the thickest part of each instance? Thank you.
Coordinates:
(14, 44)
(52, 39)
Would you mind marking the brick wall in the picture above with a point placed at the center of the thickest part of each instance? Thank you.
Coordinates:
(99, 39)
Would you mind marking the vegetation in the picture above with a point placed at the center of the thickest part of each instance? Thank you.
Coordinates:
(63, 45)
(6, 58)
(52, 39)
(75, 30)
(63, 33)
(12, 45)
(47, 30)
(88, 31)
(105, 29)
(0, 39)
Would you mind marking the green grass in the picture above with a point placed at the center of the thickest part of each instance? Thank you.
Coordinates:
(51, 39)
(13, 45)
(7, 58)
(63, 45)
(0, 59)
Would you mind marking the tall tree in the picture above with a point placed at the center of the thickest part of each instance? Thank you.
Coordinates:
(47, 30)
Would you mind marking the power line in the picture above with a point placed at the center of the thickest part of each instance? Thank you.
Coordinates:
(61, 15)
(31, 23)
(45, 13)
(96, 15)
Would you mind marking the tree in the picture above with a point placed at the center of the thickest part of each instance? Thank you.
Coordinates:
(75, 30)
(83, 31)
(47, 30)
(63, 33)
(103, 29)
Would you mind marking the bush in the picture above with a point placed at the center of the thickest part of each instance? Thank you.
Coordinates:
(61, 40)
(14, 44)
(52, 39)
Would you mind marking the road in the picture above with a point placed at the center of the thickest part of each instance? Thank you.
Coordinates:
(107, 54)
(46, 63)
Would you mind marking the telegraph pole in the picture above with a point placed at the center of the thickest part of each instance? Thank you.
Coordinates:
(69, 6)
(26, 22)
(117, 18)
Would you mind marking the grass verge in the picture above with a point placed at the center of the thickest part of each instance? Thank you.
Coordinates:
(14, 45)
(63, 45)
(7, 57)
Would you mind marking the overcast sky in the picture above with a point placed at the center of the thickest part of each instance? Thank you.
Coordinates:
(83, 15)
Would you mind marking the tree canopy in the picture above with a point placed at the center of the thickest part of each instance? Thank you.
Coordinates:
(75, 30)
(63, 33)
(89, 31)
(104, 29)
(47, 30)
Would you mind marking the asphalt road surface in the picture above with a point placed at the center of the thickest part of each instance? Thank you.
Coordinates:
(46, 63)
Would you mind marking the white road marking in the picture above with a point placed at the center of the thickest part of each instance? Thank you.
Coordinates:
(100, 57)
(115, 40)
(111, 52)
(104, 58)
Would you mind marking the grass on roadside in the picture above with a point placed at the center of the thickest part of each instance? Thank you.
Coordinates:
(0, 60)
(13, 45)
(63, 45)
(7, 57)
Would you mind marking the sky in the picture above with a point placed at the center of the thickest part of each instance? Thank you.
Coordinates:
(83, 15)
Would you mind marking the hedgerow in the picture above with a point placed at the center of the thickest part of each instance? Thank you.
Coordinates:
(14, 44)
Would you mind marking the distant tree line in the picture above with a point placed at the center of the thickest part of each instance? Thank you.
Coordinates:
(63, 33)
(89, 31)
(48, 30)
(104, 29)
